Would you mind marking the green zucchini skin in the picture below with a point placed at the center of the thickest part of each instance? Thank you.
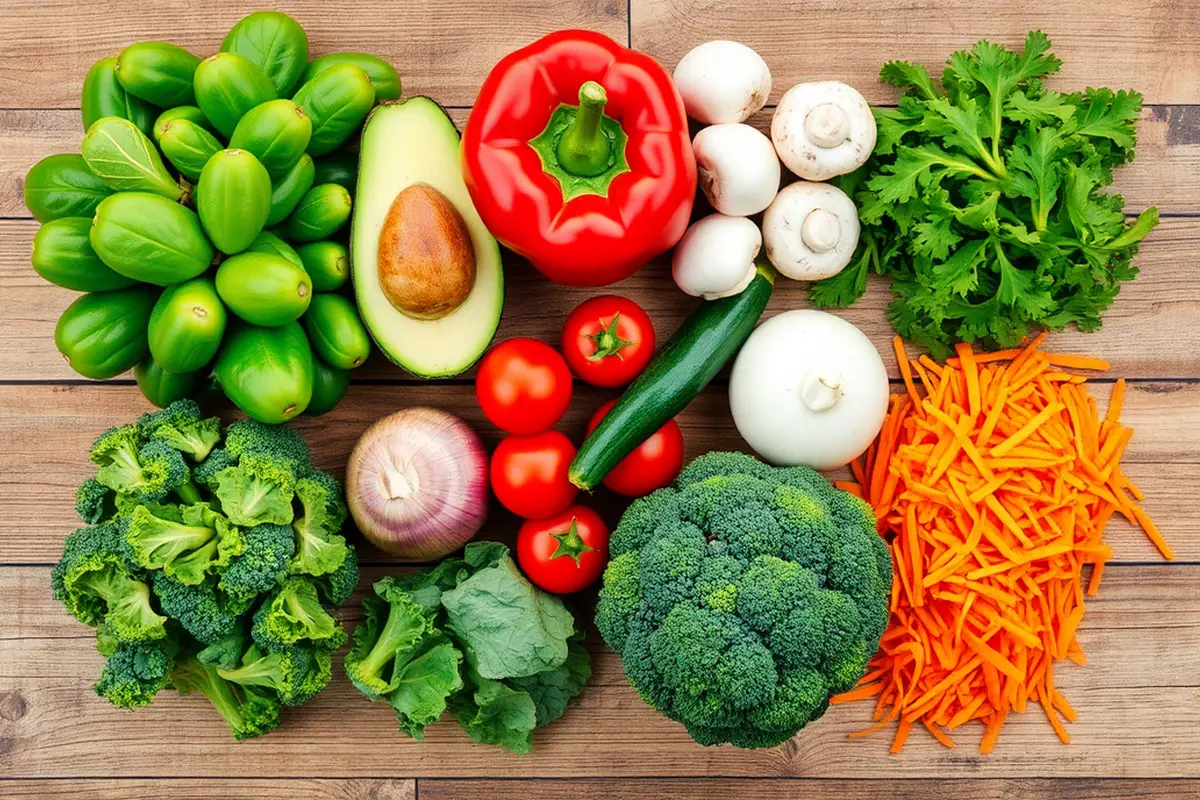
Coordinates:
(704, 343)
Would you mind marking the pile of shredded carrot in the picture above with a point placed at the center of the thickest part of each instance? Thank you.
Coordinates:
(993, 489)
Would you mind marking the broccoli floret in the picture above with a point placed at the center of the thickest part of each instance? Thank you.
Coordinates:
(115, 453)
(259, 490)
(250, 712)
(293, 614)
(203, 610)
(745, 596)
(275, 442)
(319, 548)
(182, 427)
(202, 542)
(393, 627)
(135, 672)
(337, 587)
(296, 674)
(225, 653)
(97, 583)
(205, 473)
(94, 502)
(263, 563)
(147, 470)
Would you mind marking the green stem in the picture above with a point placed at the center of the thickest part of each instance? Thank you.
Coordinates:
(607, 342)
(189, 494)
(570, 543)
(996, 162)
(583, 149)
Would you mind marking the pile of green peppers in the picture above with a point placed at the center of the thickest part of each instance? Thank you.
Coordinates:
(204, 219)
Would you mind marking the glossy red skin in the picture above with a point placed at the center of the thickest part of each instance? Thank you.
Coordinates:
(652, 465)
(523, 386)
(593, 240)
(595, 315)
(562, 575)
(529, 474)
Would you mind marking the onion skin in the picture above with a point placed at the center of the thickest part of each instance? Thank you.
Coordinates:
(416, 483)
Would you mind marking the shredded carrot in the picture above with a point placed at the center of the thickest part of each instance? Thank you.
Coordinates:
(993, 489)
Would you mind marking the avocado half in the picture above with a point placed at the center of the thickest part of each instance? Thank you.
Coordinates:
(414, 141)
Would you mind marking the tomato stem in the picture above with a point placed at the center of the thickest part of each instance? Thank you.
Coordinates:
(608, 343)
(570, 543)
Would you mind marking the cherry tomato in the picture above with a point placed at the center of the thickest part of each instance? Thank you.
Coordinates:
(654, 464)
(523, 386)
(608, 340)
(529, 474)
(566, 552)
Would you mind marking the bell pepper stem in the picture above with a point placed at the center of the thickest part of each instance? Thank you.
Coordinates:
(583, 149)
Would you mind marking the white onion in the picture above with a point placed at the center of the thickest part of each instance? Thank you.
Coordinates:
(416, 483)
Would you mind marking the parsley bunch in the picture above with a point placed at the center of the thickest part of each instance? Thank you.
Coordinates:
(984, 201)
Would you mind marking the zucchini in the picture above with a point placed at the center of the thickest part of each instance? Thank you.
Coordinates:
(703, 344)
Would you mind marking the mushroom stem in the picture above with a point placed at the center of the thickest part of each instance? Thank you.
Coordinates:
(820, 230)
(821, 389)
(583, 149)
(827, 125)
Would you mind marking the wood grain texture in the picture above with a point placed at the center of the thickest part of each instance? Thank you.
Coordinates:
(213, 789)
(1136, 698)
(440, 49)
(1151, 331)
(1152, 46)
(46, 433)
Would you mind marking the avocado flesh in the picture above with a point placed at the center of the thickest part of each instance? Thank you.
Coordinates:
(415, 142)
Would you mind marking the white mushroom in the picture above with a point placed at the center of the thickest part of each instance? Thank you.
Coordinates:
(811, 230)
(739, 171)
(722, 81)
(715, 258)
(822, 130)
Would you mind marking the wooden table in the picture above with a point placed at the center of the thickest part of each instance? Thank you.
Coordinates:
(1139, 695)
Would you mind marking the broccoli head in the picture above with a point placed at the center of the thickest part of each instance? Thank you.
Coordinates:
(94, 502)
(205, 473)
(181, 426)
(99, 585)
(202, 542)
(336, 587)
(275, 442)
(744, 597)
(263, 563)
(147, 470)
(204, 611)
(135, 672)
(319, 548)
(295, 675)
(293, 614)
(257, 491)
(249, 711)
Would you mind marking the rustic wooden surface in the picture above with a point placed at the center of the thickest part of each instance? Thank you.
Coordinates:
(1138, 696)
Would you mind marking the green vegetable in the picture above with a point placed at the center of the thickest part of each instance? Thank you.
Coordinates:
(148, 470)
(257, 491)
(330, 385)
(263, 288)
(206, 613)
(104, 96)
(269, 243)
(705, 341)
(249, 712)
(327, 263)
(320, 214)
(289, 189)
(202, 541)
(135, 671)
(743, 598)
(148, 238)
(383, 75)
(233, 199)
(63, 255)
(125, 159)
(159, 73)
(473, 636)
(276, 133)
(296, 674)
(94, 502)
(227, 86)
(190, 113)
(188, 146)
(102, 334)
(319, 548)
(183, 428)
(335, 331)
(337, 100)
(263, 564)
(273, 42)
(163, 388)
(63, 186)
(340, 167)
(294, 615)
(186, 326)
(984, 201)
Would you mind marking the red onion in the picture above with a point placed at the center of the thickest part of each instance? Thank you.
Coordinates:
(416, 483)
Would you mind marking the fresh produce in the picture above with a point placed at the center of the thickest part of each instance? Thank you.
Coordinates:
(62, 186)
(722, 82)
(104, 96)
(383, 75)
(828, 227)
(273, 42)
(125, 159)
(232, 603)
(407, 143)
(321, 213)
(416, 483)
(808, 389)
(984, 201)
(327, 263)
(269, 243)
(651, 465)
(161, 74)
(186, 326)
(227, 86)
(264, 289)
(233, 199)
(564, 553)
(991, 527)
(63, 255)
(190, 113)
(523, 386)
(743, 598)
(290, 188)
(102, 334)
(823, 129)
(266, 372)
(529, 474)
(150, 239)
(340, 167)
(335, 332)
(337, 100)
(473, 637)
(276, 133)
(705, 341)
(608, 340)
(587, 197)
(330, 385)
(739, 171)
(716, 257)
(188, 146)
(162, 388)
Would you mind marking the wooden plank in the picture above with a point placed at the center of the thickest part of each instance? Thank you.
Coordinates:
(1152, 331)
(1136, 699)
(1153, 47)
(802, 789)
(439, 49)
(215, 789)
(45, 433)
(1166, 173)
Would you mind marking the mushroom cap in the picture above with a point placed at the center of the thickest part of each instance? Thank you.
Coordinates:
(810, 231)
(738, 168)
(715, 258)
(823, 129)
(722, 81)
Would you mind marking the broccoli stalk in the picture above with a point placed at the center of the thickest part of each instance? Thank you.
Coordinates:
(181, 426)
(187, 550)
(248, 711)
(319, 549)
(389, 635)
(293, 614)
(296, 675)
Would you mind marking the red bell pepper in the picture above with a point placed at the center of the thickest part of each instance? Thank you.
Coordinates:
(577, 156)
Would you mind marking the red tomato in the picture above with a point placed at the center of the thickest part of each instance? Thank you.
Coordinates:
(523, 386)
(566, 552)
(654, 464)
(608, 340)
(529, 474)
